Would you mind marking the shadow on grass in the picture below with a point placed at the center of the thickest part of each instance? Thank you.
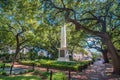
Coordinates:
(19, 78)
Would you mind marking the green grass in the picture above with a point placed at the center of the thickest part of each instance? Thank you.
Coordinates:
(58, 76)
(19, 78)
(43, 74)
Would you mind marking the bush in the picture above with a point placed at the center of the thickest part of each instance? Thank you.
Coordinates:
(43, 57)
(58, 76)
(2, 72)
(7, 61)
(6, 65)
(30, 63)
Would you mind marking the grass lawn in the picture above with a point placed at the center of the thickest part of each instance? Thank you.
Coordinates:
(19, 78)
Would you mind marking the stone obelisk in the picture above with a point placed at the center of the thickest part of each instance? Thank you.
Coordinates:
(63, 53)
(63, 37)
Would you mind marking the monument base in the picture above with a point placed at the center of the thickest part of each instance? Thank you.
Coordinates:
(63, 59)
(63, 54)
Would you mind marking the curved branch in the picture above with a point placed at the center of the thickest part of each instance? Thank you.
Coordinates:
(79, 26)
(62, 9)
(63, 3)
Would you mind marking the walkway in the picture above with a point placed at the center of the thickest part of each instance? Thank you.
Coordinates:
(97, 71)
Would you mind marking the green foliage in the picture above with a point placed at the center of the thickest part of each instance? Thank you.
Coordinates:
(19, 78)
(31, 17)
(6, 57)
(41, 23)
(73, 66)
(2, 72)
(27, 62)
(58, 75)
(95, 55)
(44, 74)
(6, 65)
(32, 55)
(92, 15)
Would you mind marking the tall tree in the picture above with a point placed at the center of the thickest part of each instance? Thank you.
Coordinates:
(90, 16)
(19, 18)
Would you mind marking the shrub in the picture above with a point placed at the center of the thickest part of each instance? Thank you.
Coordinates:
(30, 63)
(6, 65)
(2, 72)
(73, 66)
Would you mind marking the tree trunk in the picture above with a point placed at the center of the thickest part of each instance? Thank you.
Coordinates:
(11, 68)
(114, 56)
(12, 65)
(72, 52)
(103, 35)
(14, 58)
(21, 55)
(105, 57)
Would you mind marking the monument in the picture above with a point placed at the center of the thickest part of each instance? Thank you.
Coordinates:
(63, 52)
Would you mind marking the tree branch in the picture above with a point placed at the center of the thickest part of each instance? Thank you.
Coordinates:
(62, 9)
(63, 3)
(94, 46)
(23, 47)
(87, 19)
(115, 27)
(24, 41)
(22, 31)
(79, 26)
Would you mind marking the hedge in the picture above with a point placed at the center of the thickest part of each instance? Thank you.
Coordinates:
(6, 65)
(73, 66)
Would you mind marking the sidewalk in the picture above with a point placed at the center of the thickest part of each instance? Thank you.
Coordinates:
(97, 71)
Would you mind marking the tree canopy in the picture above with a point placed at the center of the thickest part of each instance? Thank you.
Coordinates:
(37, 23)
